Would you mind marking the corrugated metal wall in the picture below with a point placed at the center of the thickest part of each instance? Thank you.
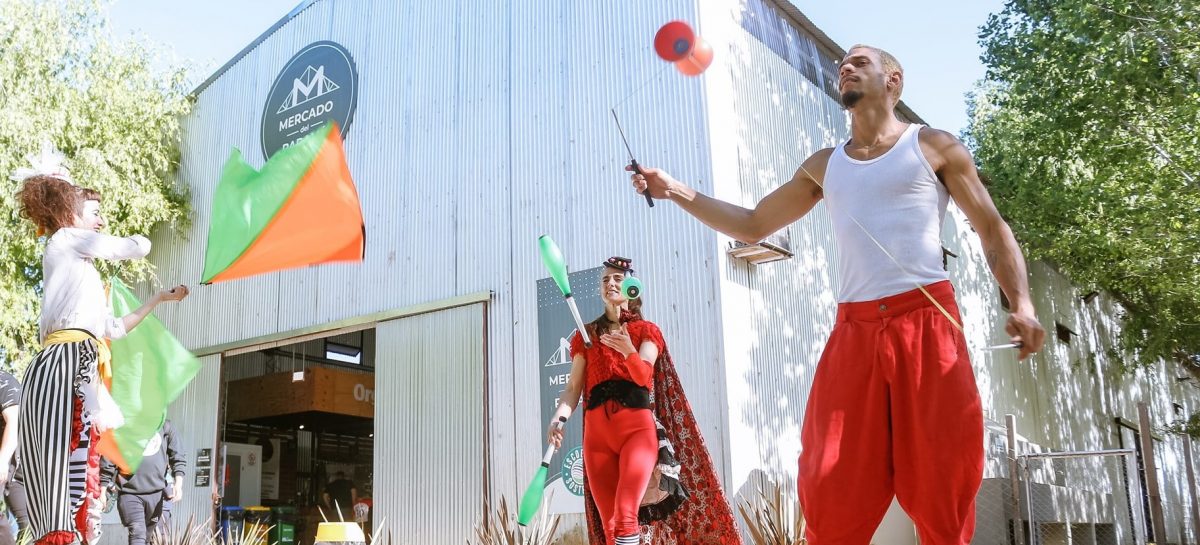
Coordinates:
(429, 475)
(1068, 397)
(195, 417)
(776, 316)
(571, 63)
(478, 128)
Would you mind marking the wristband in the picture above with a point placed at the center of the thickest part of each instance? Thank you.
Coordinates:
(641, 372)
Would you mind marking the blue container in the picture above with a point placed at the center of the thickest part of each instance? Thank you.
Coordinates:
(232, 519)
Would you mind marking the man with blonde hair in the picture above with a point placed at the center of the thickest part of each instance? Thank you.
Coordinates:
(894, 410)
(890, 65)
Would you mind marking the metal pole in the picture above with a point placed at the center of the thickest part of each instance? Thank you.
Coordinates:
(1010, 423)
(1033, 531)
(1133, 493)
(1191, 479)
(1150, 469)
(1080, 453)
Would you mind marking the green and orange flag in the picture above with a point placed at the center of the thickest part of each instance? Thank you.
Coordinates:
(150, 368)
(300, 209)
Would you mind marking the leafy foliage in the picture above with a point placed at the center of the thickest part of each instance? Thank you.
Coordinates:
(113, 114)
(1088, 128)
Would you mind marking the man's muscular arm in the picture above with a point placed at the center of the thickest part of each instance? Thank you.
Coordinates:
(785, 205)
(955, 167)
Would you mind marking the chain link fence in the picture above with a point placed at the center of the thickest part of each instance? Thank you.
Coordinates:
(1031, 497)
(1081, 498)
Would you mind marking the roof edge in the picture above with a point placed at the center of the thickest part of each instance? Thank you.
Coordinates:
(831, 47)
(787, 6)
(303, 5)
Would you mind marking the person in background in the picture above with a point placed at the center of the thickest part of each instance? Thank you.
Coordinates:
(340, 493)
(142, 498)
(14, 490)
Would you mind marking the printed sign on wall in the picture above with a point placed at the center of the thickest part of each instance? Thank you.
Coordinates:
(564, 483)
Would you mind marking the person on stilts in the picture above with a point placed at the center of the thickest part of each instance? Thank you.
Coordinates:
(644, 458)
(894, 410)
(65, 407)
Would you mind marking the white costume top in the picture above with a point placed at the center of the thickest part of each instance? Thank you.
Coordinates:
(73, 293)
(900, 201)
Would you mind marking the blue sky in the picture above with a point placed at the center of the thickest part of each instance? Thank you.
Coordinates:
(935, 40)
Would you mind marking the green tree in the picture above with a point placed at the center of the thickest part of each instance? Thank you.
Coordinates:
(113, 114)
(1087, 127)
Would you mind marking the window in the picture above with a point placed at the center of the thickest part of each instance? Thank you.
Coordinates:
(343, 353)
(763, 20)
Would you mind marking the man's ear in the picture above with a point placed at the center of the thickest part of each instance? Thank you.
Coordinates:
(894, 80)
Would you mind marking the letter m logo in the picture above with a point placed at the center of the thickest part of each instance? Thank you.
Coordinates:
(310, 86)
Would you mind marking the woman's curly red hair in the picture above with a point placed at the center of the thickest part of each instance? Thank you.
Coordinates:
(51, 203)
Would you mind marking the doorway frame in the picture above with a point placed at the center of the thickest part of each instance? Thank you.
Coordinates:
(350, 325)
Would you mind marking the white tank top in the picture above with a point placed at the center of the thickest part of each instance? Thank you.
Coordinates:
(900, 201)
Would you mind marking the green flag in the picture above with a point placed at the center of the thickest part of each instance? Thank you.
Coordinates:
(150, 368)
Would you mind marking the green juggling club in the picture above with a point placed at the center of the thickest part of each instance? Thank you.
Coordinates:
(553, 260)
(532, 500)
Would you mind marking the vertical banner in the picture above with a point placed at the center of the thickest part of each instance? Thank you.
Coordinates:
(270, 467)
(564, 482)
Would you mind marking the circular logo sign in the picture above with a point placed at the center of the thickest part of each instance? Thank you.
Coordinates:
(318, 85)
(572, 471)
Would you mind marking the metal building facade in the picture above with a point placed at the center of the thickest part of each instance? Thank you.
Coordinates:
(479, 127)
(773, 92)
(482, 125)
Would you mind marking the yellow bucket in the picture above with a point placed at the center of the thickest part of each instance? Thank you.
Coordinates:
(340, 532)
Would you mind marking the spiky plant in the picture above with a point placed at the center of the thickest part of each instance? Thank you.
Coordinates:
(255, 532)
(499, 527)
(773, 516)
(383, 535)
(188, 534)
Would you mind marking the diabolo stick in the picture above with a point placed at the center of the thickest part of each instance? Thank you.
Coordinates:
(632, 162)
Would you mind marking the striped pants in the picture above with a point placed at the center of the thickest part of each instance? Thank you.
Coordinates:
(58, 445)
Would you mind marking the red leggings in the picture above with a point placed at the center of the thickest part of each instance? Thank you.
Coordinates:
(620, 448)
(893, 411)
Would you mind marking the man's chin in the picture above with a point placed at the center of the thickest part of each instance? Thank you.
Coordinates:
(850, 99)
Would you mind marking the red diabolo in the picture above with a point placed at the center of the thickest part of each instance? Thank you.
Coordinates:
(674, 41)
(699, 59)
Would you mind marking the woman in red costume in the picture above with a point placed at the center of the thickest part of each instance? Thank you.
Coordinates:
(637, 469)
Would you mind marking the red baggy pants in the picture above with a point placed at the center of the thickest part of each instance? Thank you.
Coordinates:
(893, 411)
